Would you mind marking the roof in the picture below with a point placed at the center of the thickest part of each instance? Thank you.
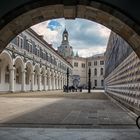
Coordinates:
(49, 45)
(65, 31)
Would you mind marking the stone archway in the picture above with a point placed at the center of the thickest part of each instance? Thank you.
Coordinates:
(37, 77)
(19, 68)
(102, 12)
(6, 65)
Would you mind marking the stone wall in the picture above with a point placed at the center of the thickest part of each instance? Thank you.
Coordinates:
(117, 50)
(122, 80)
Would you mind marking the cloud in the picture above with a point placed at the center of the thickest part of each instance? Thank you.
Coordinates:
(54, 25)
(83, 34)
(87, 52)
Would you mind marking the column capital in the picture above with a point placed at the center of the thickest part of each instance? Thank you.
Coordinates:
(13, 68)
(23, 71)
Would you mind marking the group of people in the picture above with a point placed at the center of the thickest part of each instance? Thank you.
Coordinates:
(72, 88)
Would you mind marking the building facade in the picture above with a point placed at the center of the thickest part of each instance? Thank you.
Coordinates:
(122, 73)
(96, 63)
(29, 63)
(81, 69)
(81, 66)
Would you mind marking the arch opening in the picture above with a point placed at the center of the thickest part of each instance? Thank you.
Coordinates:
(99, 12)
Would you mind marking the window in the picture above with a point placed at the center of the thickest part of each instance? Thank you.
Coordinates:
(42, 79)
(19, 41)
(29, 47)
(46, 56)
(95, 63)
(65, 37)
(101, 71)
(101, 62)
(95, 71)
(27, 76)
(102, 82)
(95, 83)
(75, 64)
(38, 52)
(7, 74)
(83, 65)
(35, 77)
(89, 63)
(18, 75)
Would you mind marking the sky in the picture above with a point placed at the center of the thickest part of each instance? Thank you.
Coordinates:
(86, 37)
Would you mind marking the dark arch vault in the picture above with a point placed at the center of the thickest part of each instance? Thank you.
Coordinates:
(121, 16)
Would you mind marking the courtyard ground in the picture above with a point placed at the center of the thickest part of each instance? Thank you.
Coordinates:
(64, 116)
(58, 109)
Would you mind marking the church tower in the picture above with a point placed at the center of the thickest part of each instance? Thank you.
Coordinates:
(65, 49)
(65, 37)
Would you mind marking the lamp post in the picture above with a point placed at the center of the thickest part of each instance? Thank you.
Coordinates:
(67, 79)
(89, 82)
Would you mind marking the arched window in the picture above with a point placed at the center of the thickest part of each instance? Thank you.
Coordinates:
(102, 82)
(101, 71)
(7, 74)
(42, 78)
(95, 72)
(27, 76)
(18, 75)
(35, 78)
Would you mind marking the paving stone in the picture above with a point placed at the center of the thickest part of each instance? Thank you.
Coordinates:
(61, 110)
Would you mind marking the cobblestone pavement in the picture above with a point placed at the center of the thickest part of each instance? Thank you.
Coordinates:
(56, 109)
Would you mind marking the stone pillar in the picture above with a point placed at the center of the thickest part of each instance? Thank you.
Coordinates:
(39, 82)
(56, 82)
(49, 82)
(52, 84)
(60, 82)
(44, 82)
(12, 79)
(23, 81)
(32, 81)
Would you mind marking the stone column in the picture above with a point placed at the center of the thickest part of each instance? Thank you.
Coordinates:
(32, 81)
(49, 82)
(39, 80)
(12, 79)
(60, 82)
(44, 82)
(52, 84)
(23, 81)
(57, 82)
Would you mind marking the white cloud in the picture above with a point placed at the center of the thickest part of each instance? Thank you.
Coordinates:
(49, 35)
(85, 36)
(105, 32)
(87, 52)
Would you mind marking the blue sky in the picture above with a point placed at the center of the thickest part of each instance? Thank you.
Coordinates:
(86, 37)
